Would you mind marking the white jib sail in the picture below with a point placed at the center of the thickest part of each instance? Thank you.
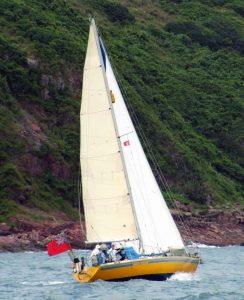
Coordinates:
(108, 211)
(158, 230)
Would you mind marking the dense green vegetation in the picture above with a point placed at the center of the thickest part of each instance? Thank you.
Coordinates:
(181, 65)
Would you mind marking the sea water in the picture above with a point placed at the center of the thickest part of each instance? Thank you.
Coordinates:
(34, 275)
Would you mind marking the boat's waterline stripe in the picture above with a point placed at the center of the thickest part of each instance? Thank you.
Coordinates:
(116, 266)
(196, 262)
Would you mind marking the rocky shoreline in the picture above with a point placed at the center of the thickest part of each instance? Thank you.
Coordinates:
(212, 227)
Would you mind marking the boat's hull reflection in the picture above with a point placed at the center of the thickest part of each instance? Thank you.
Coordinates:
(153, 268)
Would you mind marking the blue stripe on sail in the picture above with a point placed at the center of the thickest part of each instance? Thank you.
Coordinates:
(103, 53)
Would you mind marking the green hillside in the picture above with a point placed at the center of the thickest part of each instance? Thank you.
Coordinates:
(181, 65)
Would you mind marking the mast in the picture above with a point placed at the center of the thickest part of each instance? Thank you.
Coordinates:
(116, 129)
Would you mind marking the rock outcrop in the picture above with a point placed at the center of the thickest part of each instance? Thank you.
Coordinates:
(213, 227)
(33, 236)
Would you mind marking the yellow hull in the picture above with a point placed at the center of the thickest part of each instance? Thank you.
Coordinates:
(157, 268)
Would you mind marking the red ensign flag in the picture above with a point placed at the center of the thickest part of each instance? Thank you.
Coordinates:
(57, 246)
(127, 143)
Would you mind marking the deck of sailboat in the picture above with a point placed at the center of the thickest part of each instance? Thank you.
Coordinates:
(151, 268)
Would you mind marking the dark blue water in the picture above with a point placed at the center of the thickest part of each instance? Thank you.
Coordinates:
(37, 276)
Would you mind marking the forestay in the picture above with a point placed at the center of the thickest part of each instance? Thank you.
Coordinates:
(108, 210)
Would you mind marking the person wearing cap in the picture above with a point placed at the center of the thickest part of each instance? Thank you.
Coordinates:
(112, 253)
(120, 254)
(104, 254)
(76, 265)
(94, 255)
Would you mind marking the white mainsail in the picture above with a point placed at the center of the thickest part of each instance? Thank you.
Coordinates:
(107, 205)
(157, 228)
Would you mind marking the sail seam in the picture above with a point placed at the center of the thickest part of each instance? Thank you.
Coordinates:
(95, 112)
(92, 68)
(90, 157)
(105, 198)
(97, 136)
(125, 134)
(110, 241)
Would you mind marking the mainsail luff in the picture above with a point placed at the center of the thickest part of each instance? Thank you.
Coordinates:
(107, 205)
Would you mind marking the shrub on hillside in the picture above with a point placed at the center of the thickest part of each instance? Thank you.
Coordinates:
(214, 33)
(237, 7)
(118, 13)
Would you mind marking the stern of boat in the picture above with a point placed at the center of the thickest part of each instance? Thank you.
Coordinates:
(87, 275)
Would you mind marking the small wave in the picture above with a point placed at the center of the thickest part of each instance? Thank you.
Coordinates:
(38, 283)
(29, 252)
(206, 246)
(202, 246)
(184, 277)
(31, 283)
(53, 282)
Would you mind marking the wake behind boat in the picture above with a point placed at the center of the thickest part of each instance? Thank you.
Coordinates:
(125, 211)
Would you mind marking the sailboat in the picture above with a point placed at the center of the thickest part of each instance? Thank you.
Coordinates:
(123, 203)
